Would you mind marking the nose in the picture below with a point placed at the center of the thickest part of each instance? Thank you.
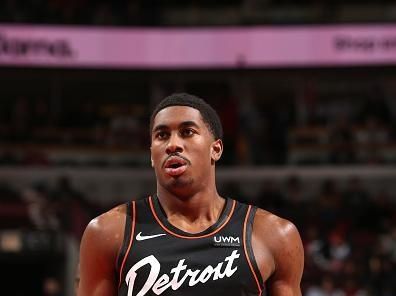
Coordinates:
(174, 144)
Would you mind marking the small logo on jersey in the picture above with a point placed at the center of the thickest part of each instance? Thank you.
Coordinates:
(140, 237)
(226, 241)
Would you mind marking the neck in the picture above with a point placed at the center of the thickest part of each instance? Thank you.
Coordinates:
(192, 213)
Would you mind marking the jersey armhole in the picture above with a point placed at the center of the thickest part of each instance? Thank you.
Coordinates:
(126, 245)
(247, 238)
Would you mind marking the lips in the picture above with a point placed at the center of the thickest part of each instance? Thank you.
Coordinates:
(175, 165)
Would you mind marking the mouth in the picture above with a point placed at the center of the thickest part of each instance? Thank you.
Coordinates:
(175, 165)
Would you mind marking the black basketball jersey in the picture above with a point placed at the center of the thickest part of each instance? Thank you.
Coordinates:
(157, 258)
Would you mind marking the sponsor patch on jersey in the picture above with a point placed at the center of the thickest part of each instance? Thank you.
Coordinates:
(226, 241)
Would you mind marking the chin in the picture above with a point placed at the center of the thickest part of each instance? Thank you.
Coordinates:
(180, 182)
(179, 186)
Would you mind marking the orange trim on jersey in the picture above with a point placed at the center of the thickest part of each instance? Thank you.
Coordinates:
(246, 253)
(191, 237)
(130, 240)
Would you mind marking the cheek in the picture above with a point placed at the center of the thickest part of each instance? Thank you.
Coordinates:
(202, 152)
(155, 154)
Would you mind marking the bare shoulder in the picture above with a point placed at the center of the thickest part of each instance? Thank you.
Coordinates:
(99, 249)
(108, 220)
(107, 229)
(278, 249)
(278, 229)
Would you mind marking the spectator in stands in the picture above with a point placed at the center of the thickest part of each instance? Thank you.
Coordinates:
(326, 288)
(330, 254)
(41, 210)
(371, 139)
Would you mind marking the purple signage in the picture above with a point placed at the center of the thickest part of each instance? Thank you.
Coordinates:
(257, 47)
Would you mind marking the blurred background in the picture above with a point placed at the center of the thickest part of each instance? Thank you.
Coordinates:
(309, 124)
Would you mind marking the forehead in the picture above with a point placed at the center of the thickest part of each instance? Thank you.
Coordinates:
(176, 115)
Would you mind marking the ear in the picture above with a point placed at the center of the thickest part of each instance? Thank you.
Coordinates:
(216, 150)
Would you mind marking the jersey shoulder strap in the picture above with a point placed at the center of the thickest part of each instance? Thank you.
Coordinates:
(248, 232)
(129, 229)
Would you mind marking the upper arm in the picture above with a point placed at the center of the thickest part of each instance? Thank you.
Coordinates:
(279, 252)
(98, 253)
(289, 262)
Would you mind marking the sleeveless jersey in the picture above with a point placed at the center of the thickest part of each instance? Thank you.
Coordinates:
(156, 258)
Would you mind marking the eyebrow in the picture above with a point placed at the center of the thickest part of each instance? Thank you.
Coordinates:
(183, 124)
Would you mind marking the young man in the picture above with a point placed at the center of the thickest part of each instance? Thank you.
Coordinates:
(187, 239)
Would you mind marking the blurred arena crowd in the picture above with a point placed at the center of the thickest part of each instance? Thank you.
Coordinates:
(277, 129)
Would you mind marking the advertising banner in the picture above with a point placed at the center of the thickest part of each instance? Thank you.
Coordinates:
(197, 48)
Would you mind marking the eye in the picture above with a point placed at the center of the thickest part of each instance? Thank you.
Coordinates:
(187, 132)
(161, 135)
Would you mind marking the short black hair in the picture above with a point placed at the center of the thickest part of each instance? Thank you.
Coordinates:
(209, 115)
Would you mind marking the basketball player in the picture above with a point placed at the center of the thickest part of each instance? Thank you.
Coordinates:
(186, 239)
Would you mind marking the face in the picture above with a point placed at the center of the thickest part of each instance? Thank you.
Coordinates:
(183, 150)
